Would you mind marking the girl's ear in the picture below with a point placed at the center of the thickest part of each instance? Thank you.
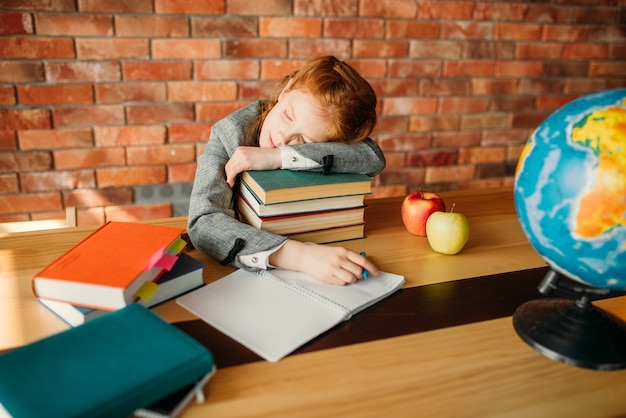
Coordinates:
(285, 89)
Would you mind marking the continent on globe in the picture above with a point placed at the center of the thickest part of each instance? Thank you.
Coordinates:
(603, 207)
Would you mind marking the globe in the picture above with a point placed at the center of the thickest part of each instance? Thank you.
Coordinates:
(570, 190)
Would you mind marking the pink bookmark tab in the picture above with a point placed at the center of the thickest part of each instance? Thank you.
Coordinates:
(167, 261)
(155, 258)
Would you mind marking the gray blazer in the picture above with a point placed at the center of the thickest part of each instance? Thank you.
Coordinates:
(212, 226)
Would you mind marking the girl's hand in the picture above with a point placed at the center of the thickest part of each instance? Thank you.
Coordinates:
(252, 158)
(334, 265)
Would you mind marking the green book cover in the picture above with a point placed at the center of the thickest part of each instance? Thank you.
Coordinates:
(274, 186)
(111, 366)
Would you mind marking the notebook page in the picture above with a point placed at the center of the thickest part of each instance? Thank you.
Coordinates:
(266, 317)
(356, 296)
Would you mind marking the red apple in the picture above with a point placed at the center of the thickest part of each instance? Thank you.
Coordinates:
(417, 207)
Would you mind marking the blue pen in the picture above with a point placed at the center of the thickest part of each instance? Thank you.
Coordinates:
(366, 274)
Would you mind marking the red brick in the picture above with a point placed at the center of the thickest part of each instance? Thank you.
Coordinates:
(102, 197)
(90, 216)
(55, 138)
(553, 102)
(565, 33)
(36, 48)
(394, 87)
(57, 180)
(481, 155)
(189, 6)
(406, 142)
(584, 85)
(198, 132)
(471, 122)
(130, 176)
(414, 68)
(91, 157)
(224, 27)
(412, 29)
(468, 68)
(325, 8)
(55, 94)
(613, 34)
(201, 91)
(152, 26)
(541, 13)
(432, 157)
(540, 86)
(565, 68)
(111, 136)
(166, 113)
(186, 48)
(538, 50)
(25, 161)
(444, 174)
(392, 124)
(489, 50)
(507, 103)
(494, 86)
(9, 184)
(467, 30)
(32, 202)
(181, 173)
(259, 8)
(354, 28)
(373, 49)
(444, 87)
(278, 69)
(14, 23)
(446, 10)
(400, 9)
(130, 92)
(109, 48)
(408, 106)
(254, 90)
(117, 6)
(500, 11)
(75, 24)
(7, 96)
(56, 5)
(523, 120)
(21, 71)
(370, 68)
(273, 27)
(597, 15)
(88, 115)
(463, 104)
(138, 212)
(436, 49)
(456, 139)
(517, 31)
(216, 111)
(505, 137)
(161, 154)
(82, 71)
(227, 70)
(519, 68)
(8, 141)
(587, 51)
(154, 70)
(258, 48)
(307, 48)
(24, 119)
(434, 123)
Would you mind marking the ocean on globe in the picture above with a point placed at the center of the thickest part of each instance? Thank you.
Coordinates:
(570, 189)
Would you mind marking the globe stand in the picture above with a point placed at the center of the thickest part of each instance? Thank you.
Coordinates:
(571, 329)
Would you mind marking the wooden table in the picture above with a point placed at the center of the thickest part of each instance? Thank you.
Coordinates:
(476, 368)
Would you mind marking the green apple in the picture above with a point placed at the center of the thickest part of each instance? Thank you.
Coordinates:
(447, 232)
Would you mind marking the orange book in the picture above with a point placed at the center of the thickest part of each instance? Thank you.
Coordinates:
(106, 269)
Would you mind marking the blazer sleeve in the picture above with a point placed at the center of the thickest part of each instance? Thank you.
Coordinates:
(212, 226)
(364, 157)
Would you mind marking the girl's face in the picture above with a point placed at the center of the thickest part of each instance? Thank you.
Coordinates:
(294, 119)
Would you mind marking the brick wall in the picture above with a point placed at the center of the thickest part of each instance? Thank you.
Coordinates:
(105, 104)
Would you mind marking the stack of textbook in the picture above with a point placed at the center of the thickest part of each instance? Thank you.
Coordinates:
(303, 205)
(118, 264)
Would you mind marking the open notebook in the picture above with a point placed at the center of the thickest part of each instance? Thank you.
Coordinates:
(275, 312)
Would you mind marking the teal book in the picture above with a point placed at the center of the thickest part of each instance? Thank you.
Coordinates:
(278, 186)
(108, 367)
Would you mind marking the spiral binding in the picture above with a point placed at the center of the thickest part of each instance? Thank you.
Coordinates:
(308, 293)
